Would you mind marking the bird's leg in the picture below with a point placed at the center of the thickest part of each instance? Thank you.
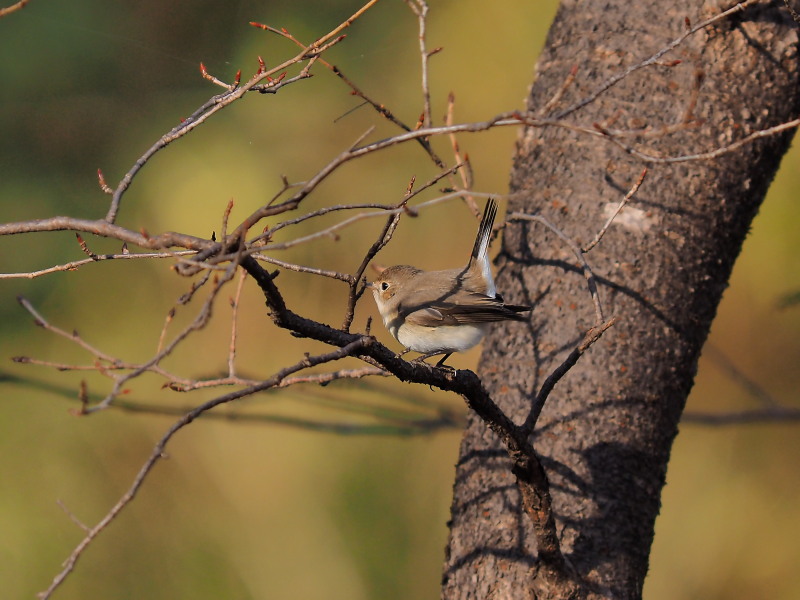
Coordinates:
(441, 360)
(444, 358)
(406, 351)
(423, 357)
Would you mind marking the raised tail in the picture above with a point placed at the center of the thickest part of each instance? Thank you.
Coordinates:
(480, 251)
(481, 246)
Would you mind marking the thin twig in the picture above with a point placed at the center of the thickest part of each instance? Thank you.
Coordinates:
(73, 337)
(556, 98)
(109, 230)
(200, 116)
(175, 382)
(70, 514)
(13, 8)
(347, 278)
(158, 450)
(420, 9)
(358, 92)
(221, 101)
(58, 366)
(355, 291)
(104, 363)
(208, 247)
(76, 264)
(709, 155)
(293, 202)
(772, 414)
(200, 321)
(652, 60)
(234, 322)
(331, 232)
(631, 193)
(590, 338)
(586, 269)
(225, 216)
(424, 416)
(792, 12)
(382, 208)
(196, 285)
(724, 363)
(466, 172)
(167, 322)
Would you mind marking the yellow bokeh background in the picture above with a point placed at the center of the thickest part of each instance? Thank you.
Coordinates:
(247, 509)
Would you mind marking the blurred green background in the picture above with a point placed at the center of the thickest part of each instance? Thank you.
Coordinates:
(255, 510)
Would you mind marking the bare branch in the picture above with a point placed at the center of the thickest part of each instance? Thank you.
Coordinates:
(356, 291)
(217, 103)
(234, 250)
(420, 8)
(108, 230)
(13, 8)
(590, 338)
(199, 322)
(466, 173)
(556, 98)
(167, 321)
(652, 60)
(756, 416)
(709, 155)
(586, 269)
(197, 118)
(792, 12)
(303, 269)
(631, 193)
(158, 450)
(75, 264)
(379, 108)
(234, 319)
(207, 248)
(332, 231)
(152, 364)
(527, 468)
(72, 516)
(74, 336)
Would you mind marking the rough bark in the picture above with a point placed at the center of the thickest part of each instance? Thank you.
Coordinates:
(606, 432)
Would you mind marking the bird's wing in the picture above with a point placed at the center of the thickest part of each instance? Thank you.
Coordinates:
(461, 308)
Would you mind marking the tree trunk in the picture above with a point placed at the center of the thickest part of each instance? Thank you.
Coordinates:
(606, 431)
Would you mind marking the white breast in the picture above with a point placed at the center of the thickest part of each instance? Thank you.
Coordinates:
(446, 338)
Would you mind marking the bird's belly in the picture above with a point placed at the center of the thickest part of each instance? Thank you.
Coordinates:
(445, 338)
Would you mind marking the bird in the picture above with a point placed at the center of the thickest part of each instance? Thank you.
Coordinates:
(442, 312)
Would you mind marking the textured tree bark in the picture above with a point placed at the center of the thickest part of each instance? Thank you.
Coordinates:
(606, 431)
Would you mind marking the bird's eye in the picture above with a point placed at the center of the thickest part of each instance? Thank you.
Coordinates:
(384, 286)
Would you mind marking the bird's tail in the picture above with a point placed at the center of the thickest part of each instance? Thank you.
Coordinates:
(484, 231)
(480, 251)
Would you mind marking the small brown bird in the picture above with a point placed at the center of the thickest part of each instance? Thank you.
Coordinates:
(441, 312)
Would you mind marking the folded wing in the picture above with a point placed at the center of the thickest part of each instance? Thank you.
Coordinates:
(461, 309)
